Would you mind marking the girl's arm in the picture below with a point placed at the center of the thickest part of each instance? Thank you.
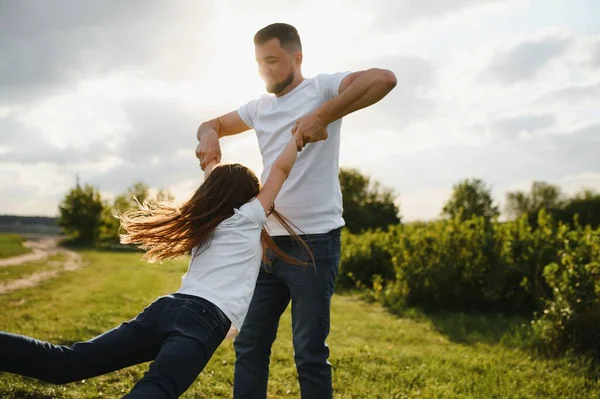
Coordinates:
(279, 173)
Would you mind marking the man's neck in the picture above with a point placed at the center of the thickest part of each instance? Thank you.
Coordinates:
(297, 80)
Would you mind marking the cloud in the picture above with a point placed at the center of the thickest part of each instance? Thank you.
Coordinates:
(30, 146)
(157, 129)
(499, 161)
(528, 123)
(595, 57)
(159, 174)
(576, 151)
(49, 45)
(572, 94)
(31, 189)
(114, 91)
(525, 60)
(408, 101)
(159, 146)
(419, 204)
(547, 156)
(400, 13)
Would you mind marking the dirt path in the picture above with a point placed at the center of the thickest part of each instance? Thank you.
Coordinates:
(42, 248)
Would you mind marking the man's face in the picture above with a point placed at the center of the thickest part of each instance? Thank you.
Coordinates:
(276, 66)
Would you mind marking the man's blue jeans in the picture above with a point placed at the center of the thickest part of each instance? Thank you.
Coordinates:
(310, 289)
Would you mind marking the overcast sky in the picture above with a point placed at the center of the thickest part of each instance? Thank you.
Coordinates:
(503, 90)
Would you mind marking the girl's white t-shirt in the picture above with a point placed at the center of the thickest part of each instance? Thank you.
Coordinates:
(225, 270)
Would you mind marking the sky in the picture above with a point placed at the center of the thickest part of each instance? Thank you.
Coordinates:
(113, 92)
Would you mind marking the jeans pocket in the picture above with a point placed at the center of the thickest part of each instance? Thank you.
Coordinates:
(194, 320)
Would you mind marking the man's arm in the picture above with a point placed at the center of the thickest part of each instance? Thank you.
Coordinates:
(358, 90)
(225, 125)
(211, 131)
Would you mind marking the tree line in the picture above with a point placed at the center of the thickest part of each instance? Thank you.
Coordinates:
(88, 218)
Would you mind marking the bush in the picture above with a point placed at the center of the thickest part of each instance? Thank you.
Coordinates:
(571, 319)
(445, 264)
(486, 266)
(469, 265)
(363, 257)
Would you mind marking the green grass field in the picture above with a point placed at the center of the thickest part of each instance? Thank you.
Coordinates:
(374, 354)
(11, 245)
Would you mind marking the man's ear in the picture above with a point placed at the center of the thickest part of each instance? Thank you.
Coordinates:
(298, 58)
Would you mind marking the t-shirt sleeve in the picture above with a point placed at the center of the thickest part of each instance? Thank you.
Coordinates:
(254, 211)
(248, 112)
(329, 83)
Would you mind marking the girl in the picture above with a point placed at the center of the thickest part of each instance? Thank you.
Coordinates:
(222, 225)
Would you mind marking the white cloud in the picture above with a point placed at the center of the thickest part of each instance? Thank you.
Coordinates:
(523, 124)
(33, 189)
(47, 46)
(595, 55)
(115, 92)
(400, 14)
(425, 204)
(407, 103)
(574, 95)
(524, 61)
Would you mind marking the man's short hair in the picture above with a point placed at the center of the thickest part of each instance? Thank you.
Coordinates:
(287, 35)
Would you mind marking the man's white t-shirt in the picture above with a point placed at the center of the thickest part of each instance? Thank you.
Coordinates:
(311, 197)
(225, 270)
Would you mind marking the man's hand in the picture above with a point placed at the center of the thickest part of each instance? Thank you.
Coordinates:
(209, 148)
(311, 128)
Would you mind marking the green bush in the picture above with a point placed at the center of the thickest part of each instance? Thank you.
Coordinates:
(571, 319)
(485, 265)
(469, 265)
(363, 257)
(445, 264)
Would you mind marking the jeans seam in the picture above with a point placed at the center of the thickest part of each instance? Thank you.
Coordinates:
(162, 315)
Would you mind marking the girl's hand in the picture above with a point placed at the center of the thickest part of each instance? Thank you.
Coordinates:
(209, 167)
(298, 137)
(312, 128)
(208, 148)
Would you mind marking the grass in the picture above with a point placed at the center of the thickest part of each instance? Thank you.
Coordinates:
(374, 353)
(12, 245)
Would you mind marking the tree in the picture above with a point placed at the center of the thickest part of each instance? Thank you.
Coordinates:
(586, 205)
(542, 196)
(471, 197)
(366, 204)
(81, 214)
(137, 192)
(164, 195)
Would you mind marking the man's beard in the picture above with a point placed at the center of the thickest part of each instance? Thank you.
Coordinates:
(277, 88)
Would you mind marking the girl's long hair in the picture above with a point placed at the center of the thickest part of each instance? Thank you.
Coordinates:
(166, 231)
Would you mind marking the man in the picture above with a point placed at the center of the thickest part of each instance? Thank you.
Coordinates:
(311, 199)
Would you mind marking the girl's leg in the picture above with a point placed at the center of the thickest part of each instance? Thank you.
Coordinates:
(180, 360)
(193, 329)
(132, 342)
